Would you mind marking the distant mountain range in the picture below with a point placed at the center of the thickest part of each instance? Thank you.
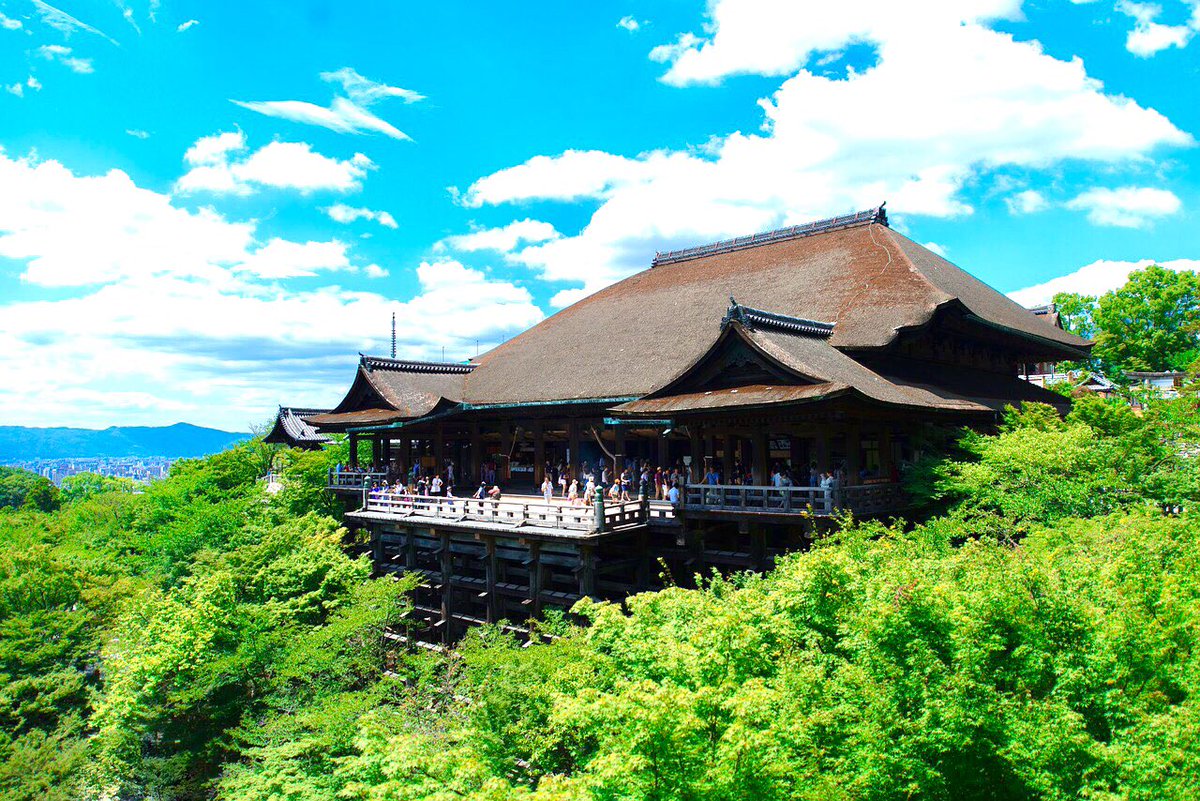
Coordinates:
(182, 440)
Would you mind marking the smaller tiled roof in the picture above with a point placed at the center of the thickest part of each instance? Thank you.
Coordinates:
(293, 427)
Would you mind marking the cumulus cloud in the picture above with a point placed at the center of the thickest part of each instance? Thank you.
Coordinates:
(348, 112)
(1150, 36)
(629, 23)
(1126, 207)
(340, 212)
(1095, 279)
(218, 165)
(906, 130)
(503, 239)
(63, 56)
(9, 24)
(168, 314)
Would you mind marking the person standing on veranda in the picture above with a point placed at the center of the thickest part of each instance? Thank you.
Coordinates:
(547, 489)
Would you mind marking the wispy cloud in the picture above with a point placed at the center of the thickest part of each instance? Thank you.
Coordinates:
(8, 23)
(63, 56)
(629, 23)
(183, 26)
(62, 21)
(347, 112)
(137, 133)
(1127, 206)
(340, 212)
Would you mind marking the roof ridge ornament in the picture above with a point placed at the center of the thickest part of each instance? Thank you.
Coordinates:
(874, 216)
(759, 320)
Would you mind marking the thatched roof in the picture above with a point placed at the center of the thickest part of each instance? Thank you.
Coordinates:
(631, 338)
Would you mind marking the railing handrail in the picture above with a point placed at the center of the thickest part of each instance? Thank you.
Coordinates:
(575, 518)
(857, 498)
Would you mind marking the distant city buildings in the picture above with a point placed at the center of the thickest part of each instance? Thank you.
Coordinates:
(143, 469)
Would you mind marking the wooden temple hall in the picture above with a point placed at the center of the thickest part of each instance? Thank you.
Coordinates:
(779, 377)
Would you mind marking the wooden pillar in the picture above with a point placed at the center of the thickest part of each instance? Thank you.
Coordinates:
(886, 462)
(508, 436)
(822, 454)
(535, 578)
(619, 451)
(439, 448)
(587, 570)
(476, 458)
(762, 459)
(539, 455)
(492, 609)
(447, 571)
(758, 546)
(728, 443)
(664, 454)
(573, 446)
(354, 450)
(696, 473)
(853, 454)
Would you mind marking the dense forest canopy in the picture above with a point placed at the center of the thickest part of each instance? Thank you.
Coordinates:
(1036, 636)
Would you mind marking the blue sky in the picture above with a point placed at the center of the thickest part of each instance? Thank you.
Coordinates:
(207, 209)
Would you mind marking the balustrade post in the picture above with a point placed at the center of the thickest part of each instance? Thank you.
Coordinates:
(598, 502)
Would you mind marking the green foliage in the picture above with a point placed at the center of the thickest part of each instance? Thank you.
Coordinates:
(888, 665)
(82, 486)
(1150, 323)
(21, 489)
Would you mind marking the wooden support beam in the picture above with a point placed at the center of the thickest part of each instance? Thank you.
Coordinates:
(853, 453)
(587, 570)
(354, 450)
(619, 451)
(439, 449)
(762, 459)
(696, 471)
(535, 579)
(447, 560)
(491, 569)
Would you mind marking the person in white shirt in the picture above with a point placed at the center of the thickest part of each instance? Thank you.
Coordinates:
(547, 489)
(435, 486)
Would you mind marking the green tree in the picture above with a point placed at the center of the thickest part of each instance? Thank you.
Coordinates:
(1150, 323)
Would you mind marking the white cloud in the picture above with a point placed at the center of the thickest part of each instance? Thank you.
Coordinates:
(167, 314)
(941, 250)
(63, 56)
(280, 258)
(629, 23)
(65, 23)
(375, 271)
(504, 239)
(34, 84)
(137, 133)
(17, 89)
(183, 26)
(217, 167)
(907, 130)
(1150, 36)
(346, 113)
(9, 24)
(1029, 201)
(1126, 207)
(340, 212)
(766, 37)
(1095, 279)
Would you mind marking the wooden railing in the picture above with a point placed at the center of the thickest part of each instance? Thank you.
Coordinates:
(866, 499)
(353, 479)
(509, 512)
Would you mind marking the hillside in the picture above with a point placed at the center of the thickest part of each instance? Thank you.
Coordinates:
(18, 443)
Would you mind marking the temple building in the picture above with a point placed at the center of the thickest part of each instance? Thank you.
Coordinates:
(786, 376)
(293, 429)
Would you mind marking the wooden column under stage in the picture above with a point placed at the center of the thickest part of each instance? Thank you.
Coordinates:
(354, 450)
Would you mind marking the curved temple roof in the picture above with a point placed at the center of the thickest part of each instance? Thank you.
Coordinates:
(855, 274)
(292, 428)
(394, 390)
